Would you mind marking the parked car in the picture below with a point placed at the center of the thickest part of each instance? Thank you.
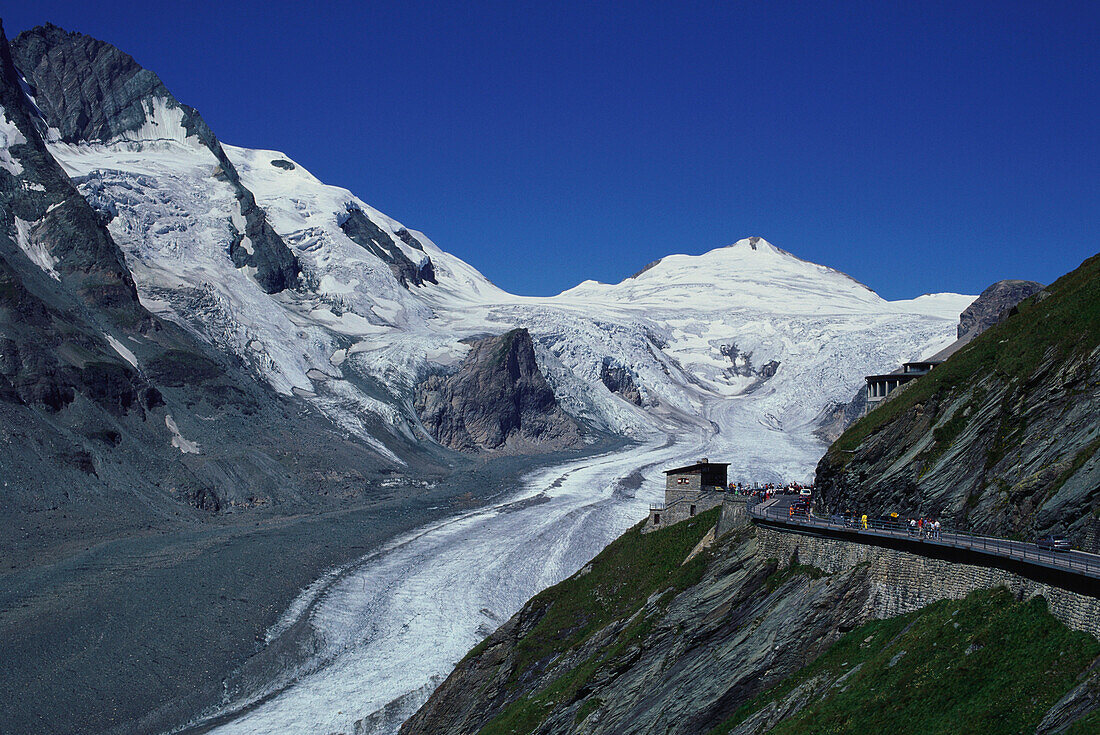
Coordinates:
(799, 509)
(1053, 543)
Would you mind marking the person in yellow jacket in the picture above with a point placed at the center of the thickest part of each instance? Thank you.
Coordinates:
(863, 520)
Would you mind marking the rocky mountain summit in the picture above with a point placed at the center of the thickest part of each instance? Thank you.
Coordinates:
(993, 304)
(88, 91)
(497, 400)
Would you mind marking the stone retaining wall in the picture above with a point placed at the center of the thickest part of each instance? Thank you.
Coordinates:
(734, 514)
(684, 507)
(902, 582)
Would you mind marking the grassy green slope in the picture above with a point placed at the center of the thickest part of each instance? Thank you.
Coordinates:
(614, 587)
(985, 664)
(1065, 321)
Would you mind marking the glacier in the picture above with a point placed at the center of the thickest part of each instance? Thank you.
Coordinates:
(736, 353)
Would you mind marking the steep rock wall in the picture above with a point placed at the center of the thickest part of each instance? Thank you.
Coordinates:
(993, 304)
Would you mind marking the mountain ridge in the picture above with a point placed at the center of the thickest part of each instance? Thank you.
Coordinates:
(287, 355)
(760, 628)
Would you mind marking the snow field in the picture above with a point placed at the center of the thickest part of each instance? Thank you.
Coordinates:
(693, 331)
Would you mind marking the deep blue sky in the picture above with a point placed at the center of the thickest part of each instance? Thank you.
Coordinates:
(924, 147)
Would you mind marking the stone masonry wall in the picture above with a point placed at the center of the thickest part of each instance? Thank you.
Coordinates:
(902, 582)
(734, 514)
(679, 509)
(673, 484)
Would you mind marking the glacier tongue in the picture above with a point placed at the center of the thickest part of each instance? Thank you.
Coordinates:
(737, 352)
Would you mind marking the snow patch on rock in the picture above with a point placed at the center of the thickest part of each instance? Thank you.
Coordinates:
(123, 352)
(163, 121)
(9, 135)
(36, 251)
(185, 446)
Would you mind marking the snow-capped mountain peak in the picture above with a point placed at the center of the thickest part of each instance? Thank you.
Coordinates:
(326, 298)
(751, 273)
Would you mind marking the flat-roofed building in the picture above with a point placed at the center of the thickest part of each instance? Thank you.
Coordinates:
(879, 387)
(690, 490)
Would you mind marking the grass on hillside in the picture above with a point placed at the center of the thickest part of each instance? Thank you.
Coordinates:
(1066, 322)
(1086, 725)
(984, 664)
(615, 586)
(776, 579)
(621, 579)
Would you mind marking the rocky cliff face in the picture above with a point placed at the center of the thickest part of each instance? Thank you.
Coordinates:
(620, 379)
(993, 304)
(88, 91)
(1002, 438)
(370, 236)
(835, 419)
(497, 401)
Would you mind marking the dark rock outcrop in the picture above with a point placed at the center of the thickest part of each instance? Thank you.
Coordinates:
(620, 379)
(276, 267)
(497, 401)
(92, 92)
(646, 267)
(55, 217)
(358, 226)
(408, 239)
(743, 367)
(839, 416)
(50, 321)
(993, 304)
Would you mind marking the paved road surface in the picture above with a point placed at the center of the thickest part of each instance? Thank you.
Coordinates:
(777, 510)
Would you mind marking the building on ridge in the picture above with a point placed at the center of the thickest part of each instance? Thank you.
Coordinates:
(689, 491)
(881, 386)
